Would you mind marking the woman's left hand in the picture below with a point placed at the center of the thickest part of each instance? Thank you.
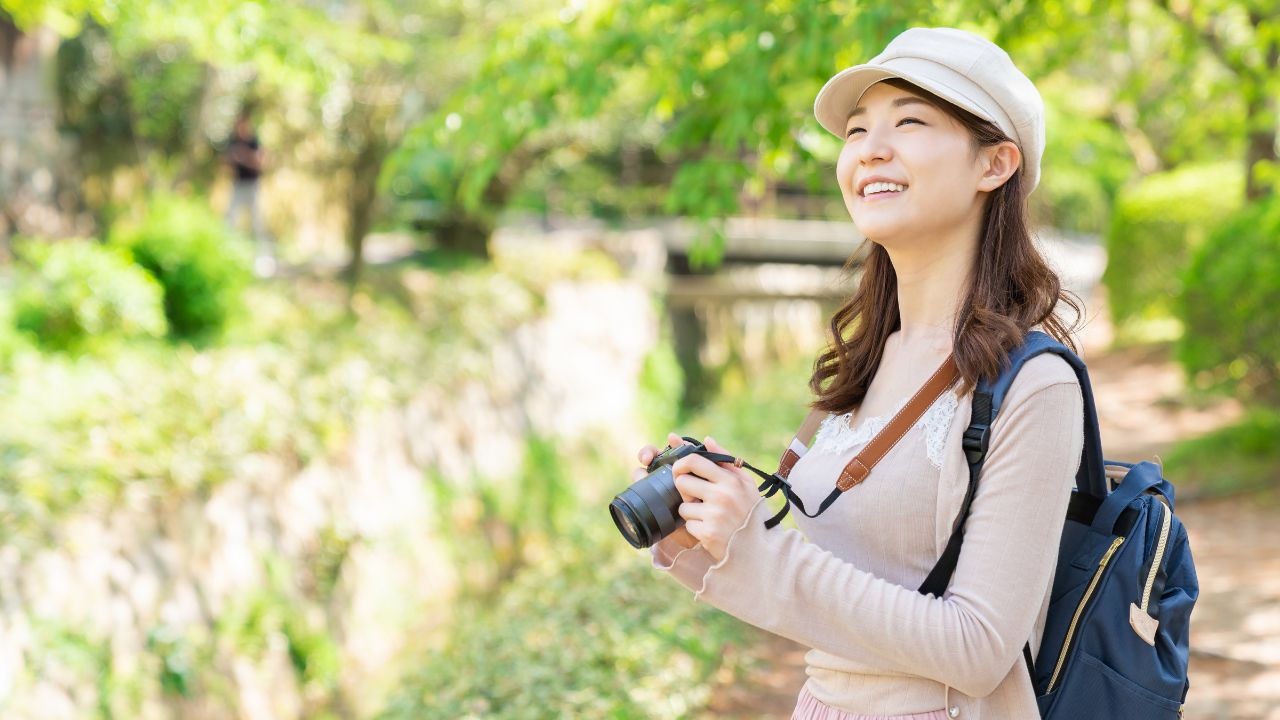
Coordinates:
(718, 497)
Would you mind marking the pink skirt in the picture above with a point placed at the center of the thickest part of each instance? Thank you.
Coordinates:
(809, 707)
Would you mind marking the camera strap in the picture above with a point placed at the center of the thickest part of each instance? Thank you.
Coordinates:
(772, 483)
(860, 466)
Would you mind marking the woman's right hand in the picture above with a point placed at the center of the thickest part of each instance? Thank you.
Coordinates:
(646, 455)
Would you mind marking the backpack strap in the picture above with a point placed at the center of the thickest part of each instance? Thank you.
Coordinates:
(987, 399)
(988, 396)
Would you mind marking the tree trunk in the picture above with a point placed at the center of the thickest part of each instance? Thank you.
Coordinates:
(466, 234)
(1261, 115)
(360, 201)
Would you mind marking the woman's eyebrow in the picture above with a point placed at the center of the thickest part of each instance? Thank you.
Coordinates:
(896, 103)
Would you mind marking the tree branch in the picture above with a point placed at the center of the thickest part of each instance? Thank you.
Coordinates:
(1209, 38)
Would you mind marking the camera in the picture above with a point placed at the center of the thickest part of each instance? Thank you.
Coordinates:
(648, 511)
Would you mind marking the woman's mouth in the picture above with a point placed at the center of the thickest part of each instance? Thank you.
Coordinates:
(882, 190)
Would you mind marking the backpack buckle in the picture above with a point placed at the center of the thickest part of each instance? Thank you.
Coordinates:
(975, 442)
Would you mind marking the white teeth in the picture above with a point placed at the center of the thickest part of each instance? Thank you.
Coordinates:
(877, 187)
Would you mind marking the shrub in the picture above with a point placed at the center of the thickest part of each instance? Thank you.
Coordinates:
(70, 295)
(1230, 305)
(592, 631)
(203, 266)
(12, 341)
(1086, 161)
(1156, 226)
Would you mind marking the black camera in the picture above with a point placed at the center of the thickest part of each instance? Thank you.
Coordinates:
(648, 511)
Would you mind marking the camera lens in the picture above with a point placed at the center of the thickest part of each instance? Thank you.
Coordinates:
(625, 518)
(647, 511)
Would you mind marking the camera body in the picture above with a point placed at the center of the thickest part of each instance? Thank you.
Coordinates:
(648, 511)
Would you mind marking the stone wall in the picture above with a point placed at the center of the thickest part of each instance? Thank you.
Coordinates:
(154, 606)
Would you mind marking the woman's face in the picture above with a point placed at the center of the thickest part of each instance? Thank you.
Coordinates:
(897, 135)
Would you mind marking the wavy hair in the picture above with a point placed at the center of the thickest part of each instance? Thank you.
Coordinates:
(1011, 289)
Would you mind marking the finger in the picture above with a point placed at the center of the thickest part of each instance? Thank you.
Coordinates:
(692, 511)
(675, 440)
(711, 444)
(698, 465)
(696, 528)
(733, 471)
(646, 454)
(692, 488)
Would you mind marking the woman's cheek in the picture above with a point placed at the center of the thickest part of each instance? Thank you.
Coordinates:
(845, 166)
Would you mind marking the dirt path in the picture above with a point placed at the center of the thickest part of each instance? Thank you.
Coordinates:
(1235, 666)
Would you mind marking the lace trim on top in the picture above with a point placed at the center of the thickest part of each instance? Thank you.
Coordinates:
(835, 436)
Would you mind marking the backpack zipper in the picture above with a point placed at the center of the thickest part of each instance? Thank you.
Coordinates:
(1071, 629)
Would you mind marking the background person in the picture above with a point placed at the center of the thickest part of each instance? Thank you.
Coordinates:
(245, 156)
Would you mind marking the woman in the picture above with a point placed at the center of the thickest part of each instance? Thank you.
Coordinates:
(943, 138)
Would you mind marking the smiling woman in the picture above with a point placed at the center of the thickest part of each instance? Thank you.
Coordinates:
(942, 143)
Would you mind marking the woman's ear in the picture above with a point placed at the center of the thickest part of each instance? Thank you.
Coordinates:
(1000, 161)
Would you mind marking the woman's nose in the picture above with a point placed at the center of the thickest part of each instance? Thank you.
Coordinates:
(874, 146)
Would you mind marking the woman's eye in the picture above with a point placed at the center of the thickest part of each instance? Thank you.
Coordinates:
(849, 133)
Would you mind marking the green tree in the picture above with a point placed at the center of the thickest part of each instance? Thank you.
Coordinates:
(1244, 39)
(145, 85)
(730, 88)
(728, 85)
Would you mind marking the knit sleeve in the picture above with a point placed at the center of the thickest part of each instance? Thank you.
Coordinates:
(970, 638)
(686, 565)
(690, 565)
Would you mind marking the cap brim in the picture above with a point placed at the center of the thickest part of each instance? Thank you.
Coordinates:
(842, 92)
(838, 96)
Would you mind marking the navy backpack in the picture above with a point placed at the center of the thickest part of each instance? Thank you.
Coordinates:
(1115, 642)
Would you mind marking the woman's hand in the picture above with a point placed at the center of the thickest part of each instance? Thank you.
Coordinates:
(718, 497)
(646, 455)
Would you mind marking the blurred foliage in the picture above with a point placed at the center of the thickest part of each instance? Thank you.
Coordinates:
(288, 380)
(1158, 223)
(79, 435)
(12, 341)
(498, 524)
(129, 106)
(76, 295)
(756, 416)
(673, 81)
(460, 111)
(202, 266)
(661, 387)
(592, 631)
(1240, 457)
(1086, 162)
(1230, 305)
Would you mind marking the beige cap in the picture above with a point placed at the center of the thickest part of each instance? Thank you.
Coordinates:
(969, 71)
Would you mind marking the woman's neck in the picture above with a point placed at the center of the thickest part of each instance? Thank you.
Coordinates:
(931, 284)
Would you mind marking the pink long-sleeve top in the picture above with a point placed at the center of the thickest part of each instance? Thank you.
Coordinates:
(845, 583)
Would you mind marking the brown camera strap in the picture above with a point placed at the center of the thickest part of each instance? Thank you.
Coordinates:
(860, 466)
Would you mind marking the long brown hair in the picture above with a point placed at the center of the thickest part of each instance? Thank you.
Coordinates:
(1010, 291)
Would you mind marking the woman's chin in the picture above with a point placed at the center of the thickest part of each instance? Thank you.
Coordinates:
(874, 229)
